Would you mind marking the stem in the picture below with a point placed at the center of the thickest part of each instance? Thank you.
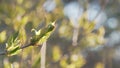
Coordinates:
(43, 54)
(22, 47)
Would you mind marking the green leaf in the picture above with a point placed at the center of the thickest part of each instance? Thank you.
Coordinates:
(42, 35)
(12, 39)
(15, 35)
(13, 45)
(50, 27)
(14, 51)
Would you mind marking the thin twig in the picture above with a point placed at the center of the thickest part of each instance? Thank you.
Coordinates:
(43, 54)
(102, 9)
(22, 47)
(75, 36)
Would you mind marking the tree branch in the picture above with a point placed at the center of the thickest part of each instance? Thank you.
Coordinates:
(25, 46)
(103, 5)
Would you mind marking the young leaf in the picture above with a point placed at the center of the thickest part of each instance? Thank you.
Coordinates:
(15, 35)
(42, 35)
(14, 51)
(13, 45)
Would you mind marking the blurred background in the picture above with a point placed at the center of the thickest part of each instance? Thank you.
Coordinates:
(87, 33)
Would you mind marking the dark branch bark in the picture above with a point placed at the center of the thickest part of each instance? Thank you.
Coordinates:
(25, 46)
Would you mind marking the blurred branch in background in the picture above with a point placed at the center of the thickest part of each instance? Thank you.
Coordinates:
(103, 4)
(43, 55)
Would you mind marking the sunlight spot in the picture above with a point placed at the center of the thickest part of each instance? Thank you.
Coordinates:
(49, 5)
(73, 11)
(112, 23)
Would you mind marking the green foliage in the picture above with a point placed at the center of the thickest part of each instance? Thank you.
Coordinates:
(42, 35)
(13, 45)
(85, 25)
(20, 16)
